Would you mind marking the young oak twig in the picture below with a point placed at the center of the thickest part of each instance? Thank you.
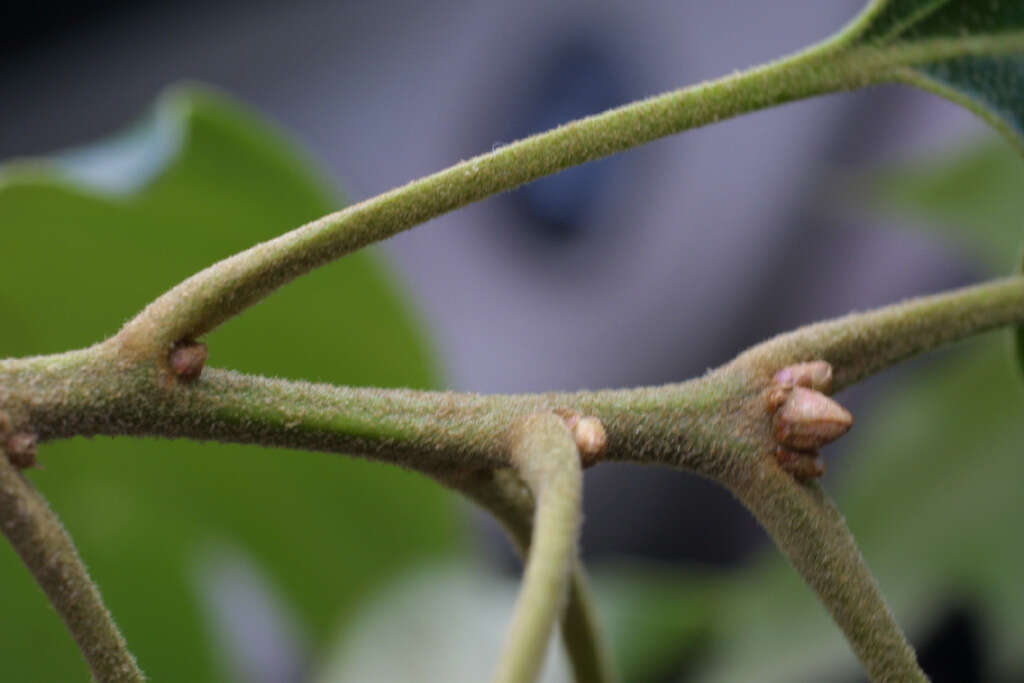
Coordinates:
(214, 295)
(810, 531)
(150, 378)
(546, 457)
(503, 493)
(46, 549)
(718, 425)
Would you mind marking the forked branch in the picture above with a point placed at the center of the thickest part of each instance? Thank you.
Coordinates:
(150, 380)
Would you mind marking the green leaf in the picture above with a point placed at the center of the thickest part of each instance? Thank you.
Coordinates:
(980, 187)
(972, 196)
(654, 621)
(989, 82)
(89, 238)
(658, 620)
(441, 624)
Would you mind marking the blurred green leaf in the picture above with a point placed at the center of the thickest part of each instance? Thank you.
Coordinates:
(655, 624)
(973, 196)
(991, 86)
(440, 624)
(88, 239)
(657, 620)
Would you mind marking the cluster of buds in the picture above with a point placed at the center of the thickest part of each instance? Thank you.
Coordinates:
(804, 417)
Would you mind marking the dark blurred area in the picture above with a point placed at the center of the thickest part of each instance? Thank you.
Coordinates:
(642, 269)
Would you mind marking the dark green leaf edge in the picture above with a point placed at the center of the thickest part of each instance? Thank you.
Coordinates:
(883, 21)
(999, 120)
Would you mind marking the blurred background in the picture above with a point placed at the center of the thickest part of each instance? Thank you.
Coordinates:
(240, 564)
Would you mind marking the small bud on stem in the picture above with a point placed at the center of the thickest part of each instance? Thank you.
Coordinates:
(805, 419)
(589, 435)
(187, 360)
(801, 464)
(808, 420)
(21, 449)
(815, 375)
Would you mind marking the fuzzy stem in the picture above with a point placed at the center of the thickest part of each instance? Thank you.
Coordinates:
(582, 634)
(223, 290)
(505, 496)
(546, 458)
(811, 532)
(861, 344)
(715, 425)
(48, 552)
(685, 425)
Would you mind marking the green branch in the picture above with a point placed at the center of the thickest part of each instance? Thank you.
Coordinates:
(581, 632)
(861, 344)
(48, 552)
(702, 425)
(719, 425)
(503, 493)
(806, 526)
(150, 379)
(546, 457)
(207, 299)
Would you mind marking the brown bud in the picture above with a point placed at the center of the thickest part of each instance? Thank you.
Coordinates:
(815, 374)
(187, 360)
(776, 395)
(802, 465)
(809, 419)
(587, 432)
(590, 438)
(21, 449)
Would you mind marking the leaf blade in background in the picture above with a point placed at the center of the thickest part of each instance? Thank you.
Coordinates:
(655, 625)
(973, 196)
(991, 86)
(90, 250)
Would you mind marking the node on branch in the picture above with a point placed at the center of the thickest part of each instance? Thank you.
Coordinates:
(187, 360)
(805, 419)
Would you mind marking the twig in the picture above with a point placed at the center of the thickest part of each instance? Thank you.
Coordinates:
(806, 526)
(214, 295)
(48, 552)
(702, 425)
(546, 457)
(504, 495)
(581, 631)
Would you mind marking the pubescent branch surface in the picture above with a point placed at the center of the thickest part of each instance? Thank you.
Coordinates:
(545, 456)
(716, 425)
(706, 424)
(810, 531)
(47, 550)
(216, 294)
(503, 493)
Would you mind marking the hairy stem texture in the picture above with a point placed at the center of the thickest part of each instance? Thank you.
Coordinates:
(216, 294)
(504, 494)
(546, 457)
(46, 549)
(811, 532)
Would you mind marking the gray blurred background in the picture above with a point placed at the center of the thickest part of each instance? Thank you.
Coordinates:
(643, 269)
